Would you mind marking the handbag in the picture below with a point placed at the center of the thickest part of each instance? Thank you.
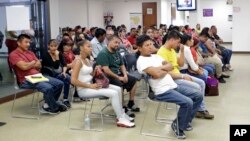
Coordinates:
(212, 87)
(100, 77)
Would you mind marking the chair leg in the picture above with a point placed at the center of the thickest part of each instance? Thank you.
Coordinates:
(23, 116)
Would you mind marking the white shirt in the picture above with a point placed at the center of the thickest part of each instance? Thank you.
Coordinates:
(97, 46)
(85, 74)
(189, 60)
(160, 85)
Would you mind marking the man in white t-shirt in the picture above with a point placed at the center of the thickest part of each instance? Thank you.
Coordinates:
(164, 87)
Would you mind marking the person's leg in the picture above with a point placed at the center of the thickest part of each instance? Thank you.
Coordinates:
(131, 87)
(193, 94)
(47, 90)
(57, 86)
(112, 94)
(191, 84)
(66, 81)
(202, 84)
(185, 103)
(202, 76)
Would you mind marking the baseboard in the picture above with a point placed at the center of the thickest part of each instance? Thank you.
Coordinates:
(19, 95)
(241, 52)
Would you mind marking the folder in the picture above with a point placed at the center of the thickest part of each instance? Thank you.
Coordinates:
(35, 78)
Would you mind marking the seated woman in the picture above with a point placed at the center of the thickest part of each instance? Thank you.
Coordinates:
(82, 78)
(190, 65)
(53, 64)
(199, 59)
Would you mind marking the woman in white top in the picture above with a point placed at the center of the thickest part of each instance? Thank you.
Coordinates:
(190, 65)
(82, 78)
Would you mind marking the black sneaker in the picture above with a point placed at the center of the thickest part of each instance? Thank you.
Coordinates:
(178, 132)
(133, 108)
(221, 80)
(225, 76)
(62, 107)
(128, 112)
(189, 127)
(48, 111)
(67, 103)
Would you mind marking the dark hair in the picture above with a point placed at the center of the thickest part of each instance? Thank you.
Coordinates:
(132, 29)
(186, 27)
(52, 41)
(78, 27)
(92, 28)
(65, 42)
(123, 26)
(99, 32)
(141, 39)
(139, 27)
(146, 29)
(23, 36)
(66, 34)
(173, 34)
(204, 32)
(185, 38)
(112, 37)
(108, 27)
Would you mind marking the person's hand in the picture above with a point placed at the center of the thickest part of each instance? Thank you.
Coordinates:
(56, 52)
(186, 77)
(95, 86)
(125, 79)
(200, 71)
(64, 74)
(182, 48)
(122, 79)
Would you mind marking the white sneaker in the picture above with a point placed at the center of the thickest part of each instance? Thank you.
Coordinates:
(128, 117)
(123, 122)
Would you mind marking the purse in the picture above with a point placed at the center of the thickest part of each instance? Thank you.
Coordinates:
(100, 77)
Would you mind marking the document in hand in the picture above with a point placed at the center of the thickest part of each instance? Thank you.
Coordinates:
(35, 78)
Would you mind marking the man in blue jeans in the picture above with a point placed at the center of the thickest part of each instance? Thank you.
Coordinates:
(24, 62)
(164, 87)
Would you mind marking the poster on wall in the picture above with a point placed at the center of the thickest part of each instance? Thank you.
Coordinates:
(207, 12)
(135, 19)
(20, 22)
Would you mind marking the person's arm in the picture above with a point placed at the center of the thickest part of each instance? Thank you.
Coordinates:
(180, 76)
(26, 65)
(181, 59)
(166, 66)
(155, 72)
(38, 65)
(190, 60)
(109, 73)
(208, 44)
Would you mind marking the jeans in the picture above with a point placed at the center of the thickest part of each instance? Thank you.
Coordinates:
(226, 56)
(197, 84)
(202, 76)
(210, 68)
(51, 90)
(187, 98)
(66, 81)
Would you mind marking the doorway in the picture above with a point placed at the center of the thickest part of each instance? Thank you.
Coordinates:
(149, 10)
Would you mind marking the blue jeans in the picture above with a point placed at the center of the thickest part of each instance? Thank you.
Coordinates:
(196, 84)
(187, 98)
(226, 55)
(202, 76)
(51, 90)
(210, 68)
(66, 81)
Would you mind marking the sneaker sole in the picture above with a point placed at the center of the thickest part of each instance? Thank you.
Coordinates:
(125, 126)
(46, 112)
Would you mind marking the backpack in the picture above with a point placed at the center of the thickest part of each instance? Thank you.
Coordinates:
(212, 87)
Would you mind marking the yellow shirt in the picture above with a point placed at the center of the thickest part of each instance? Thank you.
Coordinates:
(169, 56)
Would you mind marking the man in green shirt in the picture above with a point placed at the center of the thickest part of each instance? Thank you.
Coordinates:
(112, 63)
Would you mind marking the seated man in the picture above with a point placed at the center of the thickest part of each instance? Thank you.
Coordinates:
(164, 87)
(97, 42)
(226, 53)
(112, 63)
(24, 62)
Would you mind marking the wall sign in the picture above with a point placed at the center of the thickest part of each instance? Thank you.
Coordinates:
(207, 12)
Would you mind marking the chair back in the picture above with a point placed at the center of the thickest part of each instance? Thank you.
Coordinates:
(16, 81)
(131, 61)
(151, 94)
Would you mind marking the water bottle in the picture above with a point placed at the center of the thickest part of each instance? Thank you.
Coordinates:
(87, 123)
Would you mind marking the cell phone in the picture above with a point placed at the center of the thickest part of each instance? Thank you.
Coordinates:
(36, 76)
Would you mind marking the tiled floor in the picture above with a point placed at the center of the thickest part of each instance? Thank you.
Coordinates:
(231, 107)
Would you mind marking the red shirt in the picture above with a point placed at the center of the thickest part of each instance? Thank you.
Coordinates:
(132, 40)
(69, 57)
(27, 56)
(194, 53)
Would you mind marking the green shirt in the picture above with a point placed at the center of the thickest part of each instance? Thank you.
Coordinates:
(112, 60)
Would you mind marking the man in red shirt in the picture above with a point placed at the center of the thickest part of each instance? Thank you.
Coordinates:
(132, 37)
(24, 62)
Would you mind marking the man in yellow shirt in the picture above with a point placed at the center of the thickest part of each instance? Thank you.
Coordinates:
(167, 52)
